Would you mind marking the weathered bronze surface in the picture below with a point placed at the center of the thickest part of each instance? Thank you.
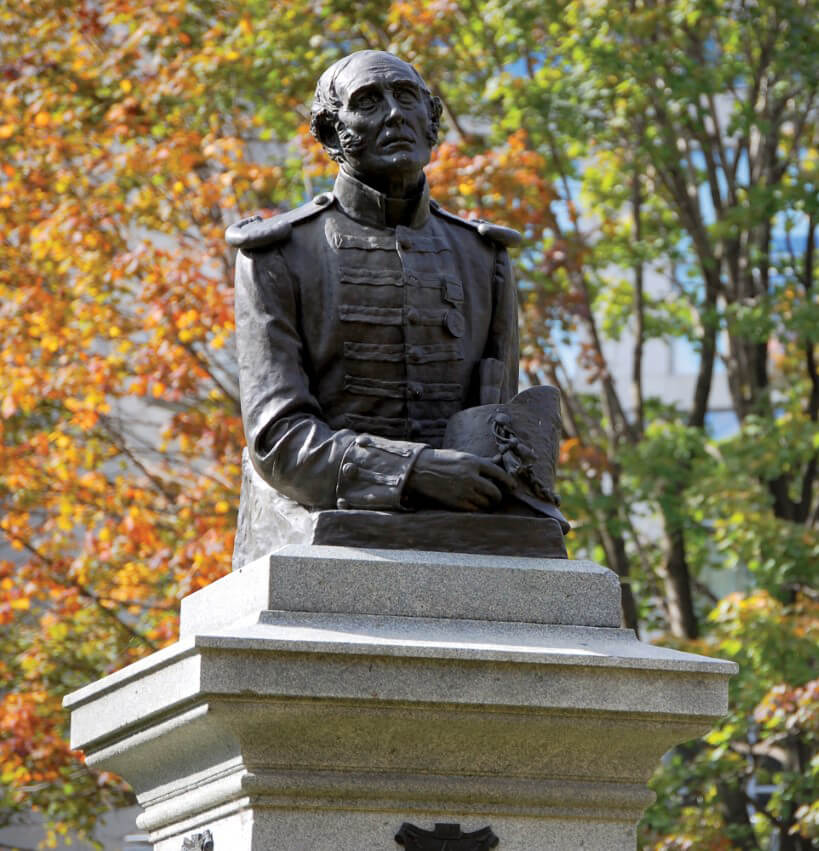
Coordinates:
(523, 436)
(370, 316)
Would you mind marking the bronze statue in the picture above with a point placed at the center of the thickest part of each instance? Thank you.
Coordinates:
(369, 316)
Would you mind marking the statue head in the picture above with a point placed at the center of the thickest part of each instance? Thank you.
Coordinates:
(375, 116)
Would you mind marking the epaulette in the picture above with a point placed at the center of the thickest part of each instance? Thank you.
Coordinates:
(497, 233)
(256, 232)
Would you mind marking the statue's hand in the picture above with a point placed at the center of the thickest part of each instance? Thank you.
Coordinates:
(457, 480)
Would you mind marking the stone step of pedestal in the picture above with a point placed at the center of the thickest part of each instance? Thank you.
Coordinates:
(409, 583)
(286, 656)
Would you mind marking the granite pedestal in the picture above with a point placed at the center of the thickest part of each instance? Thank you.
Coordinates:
(320, 697)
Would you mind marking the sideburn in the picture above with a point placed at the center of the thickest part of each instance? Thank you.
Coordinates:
(349, 141)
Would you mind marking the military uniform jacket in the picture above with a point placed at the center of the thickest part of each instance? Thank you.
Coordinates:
(357, 341)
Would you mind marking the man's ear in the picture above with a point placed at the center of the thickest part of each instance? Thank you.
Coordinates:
(324, 129)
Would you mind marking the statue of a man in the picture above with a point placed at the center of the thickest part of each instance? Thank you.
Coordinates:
(369, 316)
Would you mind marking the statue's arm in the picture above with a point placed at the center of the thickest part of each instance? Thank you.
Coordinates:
(503, 343)
(290, 444)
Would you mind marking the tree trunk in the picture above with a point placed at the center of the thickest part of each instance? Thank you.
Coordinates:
(617, 558)
(682, 620)
(792, 842)
(736, 813)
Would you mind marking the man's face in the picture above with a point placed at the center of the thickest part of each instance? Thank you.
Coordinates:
(383, 122)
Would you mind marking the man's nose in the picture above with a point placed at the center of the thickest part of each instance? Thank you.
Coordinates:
(395, 114)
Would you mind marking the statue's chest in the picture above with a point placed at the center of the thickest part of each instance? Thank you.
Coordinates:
(396, 287)
(402, 351)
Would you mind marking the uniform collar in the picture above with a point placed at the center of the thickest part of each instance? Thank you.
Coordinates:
(366, 205)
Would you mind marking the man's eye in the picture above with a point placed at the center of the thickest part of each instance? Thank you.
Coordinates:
(365, 102)
(406, 96)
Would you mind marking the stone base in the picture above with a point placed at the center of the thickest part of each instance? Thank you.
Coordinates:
(398, 687)
(329, 830)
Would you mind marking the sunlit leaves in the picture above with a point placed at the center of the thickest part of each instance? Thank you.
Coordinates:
(663, 140)
(120, 431)
(769, 735)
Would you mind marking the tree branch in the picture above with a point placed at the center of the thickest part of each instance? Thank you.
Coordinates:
(639, 307)
(67, 582)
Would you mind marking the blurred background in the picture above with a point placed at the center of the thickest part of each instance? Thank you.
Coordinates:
(660, 157)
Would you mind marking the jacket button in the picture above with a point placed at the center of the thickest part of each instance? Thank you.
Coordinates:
(363, 440)
(349, 470)
(413, 316)
(406, 244)
(454, 323)
(322, 200)
(416, 391)
(342, 504)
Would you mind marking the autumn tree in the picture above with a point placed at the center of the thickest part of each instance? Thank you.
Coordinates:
(120, 427)
(682, 138)
(631, 142)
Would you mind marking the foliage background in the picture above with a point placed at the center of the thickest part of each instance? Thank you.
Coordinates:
(620, 137)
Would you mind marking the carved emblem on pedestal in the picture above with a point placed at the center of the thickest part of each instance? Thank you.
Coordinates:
(199, 842)
(445, 837)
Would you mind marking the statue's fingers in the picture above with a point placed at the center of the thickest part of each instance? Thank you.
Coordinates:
(459, 500)
(488, 491)
(477, 504)
(493, 471)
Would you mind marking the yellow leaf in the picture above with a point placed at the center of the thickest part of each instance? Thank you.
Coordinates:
(187, 318)
(125, 85)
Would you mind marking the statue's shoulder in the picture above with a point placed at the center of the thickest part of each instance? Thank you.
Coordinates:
(257, 233)
(496, 233)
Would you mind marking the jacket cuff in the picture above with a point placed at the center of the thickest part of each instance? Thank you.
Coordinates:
(374, 471)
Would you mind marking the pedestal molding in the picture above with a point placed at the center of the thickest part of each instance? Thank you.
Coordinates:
(393, 792)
